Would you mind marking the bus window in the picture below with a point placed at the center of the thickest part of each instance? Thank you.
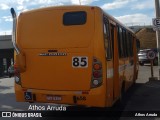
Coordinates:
(120, 43)
(107, 40)
(131, 44)
(74, 18)
(127, 44)
(130, 39)
(124, 42)
(112, 38)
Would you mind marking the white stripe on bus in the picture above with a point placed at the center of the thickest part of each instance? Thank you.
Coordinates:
(110, 72)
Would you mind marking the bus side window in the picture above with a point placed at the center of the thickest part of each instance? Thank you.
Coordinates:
(127, 44)
(130, 41)
(120, 43)
(124, 42)
(132, 38)
(107, 41)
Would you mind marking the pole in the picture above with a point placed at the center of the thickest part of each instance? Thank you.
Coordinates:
(152, 68)
(80, 2)
(157, 9)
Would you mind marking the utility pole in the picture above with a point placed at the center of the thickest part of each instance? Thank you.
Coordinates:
(80, 2)
(157, 10)
(156, 27)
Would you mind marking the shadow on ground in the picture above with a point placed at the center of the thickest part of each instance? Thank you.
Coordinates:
(112, 113)
(141, 97)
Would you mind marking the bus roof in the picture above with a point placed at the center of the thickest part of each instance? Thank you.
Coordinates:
(79, 7)
(58, 7)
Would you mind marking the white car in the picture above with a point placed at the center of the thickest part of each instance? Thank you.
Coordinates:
(142, 55)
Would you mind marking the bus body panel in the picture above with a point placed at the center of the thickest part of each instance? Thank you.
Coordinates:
(49, 47)
(56, 72)
(95, 97)
(48, 26)
(40, 32)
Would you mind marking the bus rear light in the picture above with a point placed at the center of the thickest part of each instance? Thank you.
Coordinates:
(17, 79)
(96, 73)
(95, 82)
(97, 66)
(17, 74)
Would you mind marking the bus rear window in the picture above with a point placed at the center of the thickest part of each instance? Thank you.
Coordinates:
(74, 18)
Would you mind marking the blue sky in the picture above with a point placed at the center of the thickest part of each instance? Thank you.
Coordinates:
(129, 12)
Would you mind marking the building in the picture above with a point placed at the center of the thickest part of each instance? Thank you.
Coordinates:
(6, 54)
(147, 38)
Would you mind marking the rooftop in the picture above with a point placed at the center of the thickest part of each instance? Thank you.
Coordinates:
(5, 42)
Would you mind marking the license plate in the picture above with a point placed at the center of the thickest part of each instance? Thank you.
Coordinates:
(53, 98)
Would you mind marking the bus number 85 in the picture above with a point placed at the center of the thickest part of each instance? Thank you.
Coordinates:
(79, 62)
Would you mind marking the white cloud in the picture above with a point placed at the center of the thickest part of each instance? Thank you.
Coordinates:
(143, 5)
(47, 2)
(24, 4)
(126, 0)
(116, 4)
(135, 19)
(7, 18)
(20, 2)
(82, 2)
(4, 6)
(21, 7)
(58, 4)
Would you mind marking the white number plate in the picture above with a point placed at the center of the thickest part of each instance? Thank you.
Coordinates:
(79, 62)
(53, 98)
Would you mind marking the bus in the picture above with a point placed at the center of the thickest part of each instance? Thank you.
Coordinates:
(76, 55)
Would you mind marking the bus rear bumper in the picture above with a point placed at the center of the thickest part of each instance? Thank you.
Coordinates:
(92, 98)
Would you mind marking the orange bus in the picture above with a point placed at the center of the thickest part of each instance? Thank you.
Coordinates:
(76, 55)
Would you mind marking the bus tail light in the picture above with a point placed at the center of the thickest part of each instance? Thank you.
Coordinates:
(97, 66)
(17, 74)
(96, 73)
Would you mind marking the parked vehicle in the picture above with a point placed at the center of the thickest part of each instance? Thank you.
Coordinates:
(142, 55)
(11, 71)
